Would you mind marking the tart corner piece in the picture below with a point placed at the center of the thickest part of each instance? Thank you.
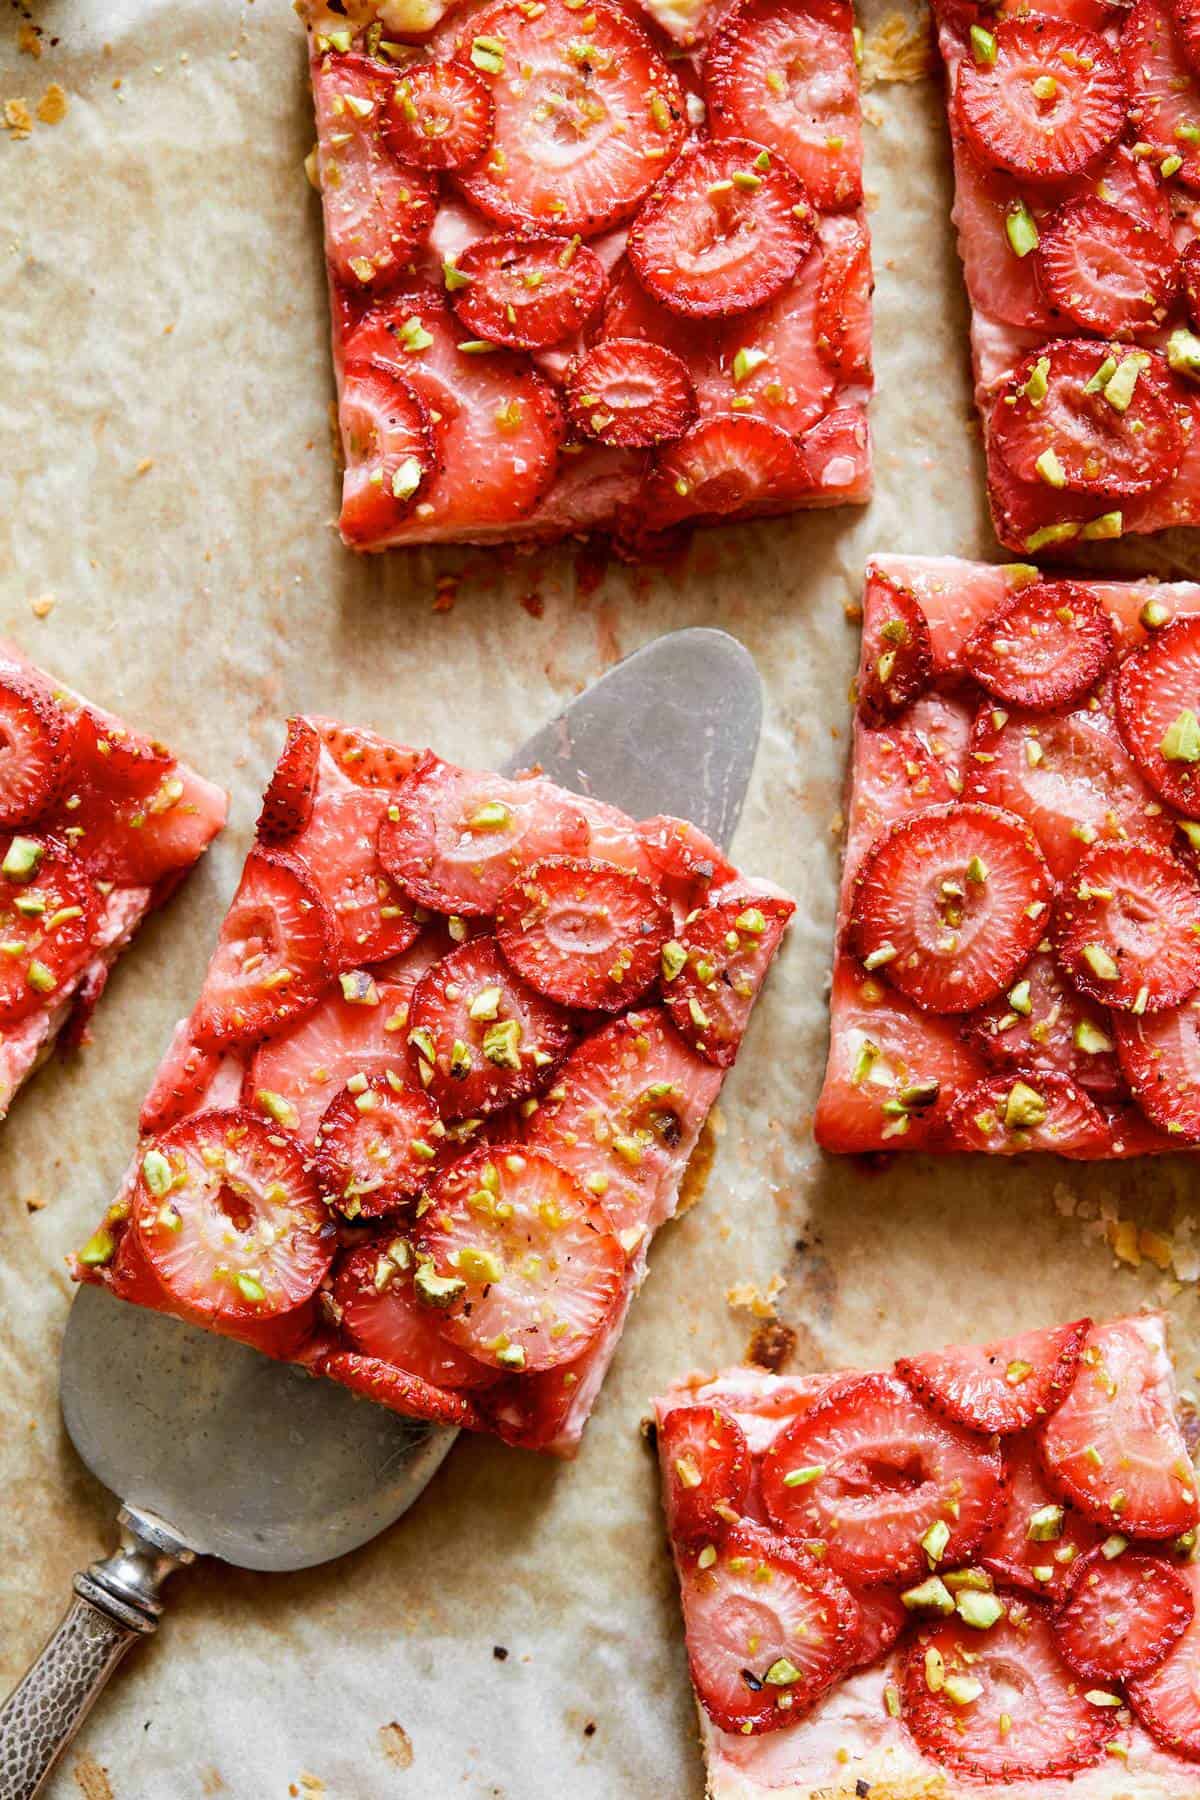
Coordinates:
(951, 1576)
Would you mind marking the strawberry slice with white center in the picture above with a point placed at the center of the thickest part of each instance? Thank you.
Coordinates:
(723, 467)
(1167, 1702)
(49, 907)
(897, 656)
(1038, 1538)
(377, 209)
(725, 229)
(627, 392)
(1122, 1616)
(523, 1263)
(769, 1630)
(1006, 1115)
(706, 1472)
(382, 1317)
(771, 361)
(588, 115)
(377, 1146)
(843, 318)
(1127, 928)
(887, 1488)
(526, 292)
(32, 731)
(1158, 700)
(455, 840)
(1049, 102)
(1078, 417)
(785, 75)
(276, 954)
(1043, 1026)
(181, 1084)
(585, 934)
(1164, 93)
(478, 1036)
(438, 115)
(624, 1116)
(712, 972)
(1115, 1446)
(1005, 1386)
(1105, 270)
(288, 802)
(296, 1073)
(364, 757)
(381, 1381)
(1000, 1704)
(949, 903)
(389, 449)
(229, 1217)
(1043, 647)
(374, 918)
(1160, 1059)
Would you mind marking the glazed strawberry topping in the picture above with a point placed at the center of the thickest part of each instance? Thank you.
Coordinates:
(183, 1079)
(438, 115)
(1127, 928)
(383, 1318)
(1105, 270)
(1164, 97)
(377, 1146)
(1005, 1386)
(365, 758)
(288, 801)
(276, 951)
(713, 970)
(897, 657)
(396, 1389)
(1038, 1537)
(721, 467)
(373, 917)
(1160, 1059)
(1043, 1026)
(1008, 1114)
(525, 291)
(627, 392)
(843, 299)
(1048, 102)
(1123, 1614)
(32, 733)
(127, 807)
(706, 1472)
(1158, 695)
(49, 906)
(1189, 270)
(585, 934)
(771, 364)
(1043, 647)
(389, 447)
(1165, 1701)
(296, 1073)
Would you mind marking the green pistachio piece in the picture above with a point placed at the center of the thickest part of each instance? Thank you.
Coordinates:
(782, 1673)
(439, 1291)
(983, 46)
(1021, 229)
(22, 858)
(1024, 1107)
(935, 1540)
(156, 1172)
(1046, 1524)
(501, 1044)
(1098, 960)
(980, 1611)
(929, 1596)
(801, 1477)
(1183, 353)
(1181, 739)
(98, 1250)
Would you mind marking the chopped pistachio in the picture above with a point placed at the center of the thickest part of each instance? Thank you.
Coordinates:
(1102, 965)
(487, 53)
(1021, 229)
(406, 478)
(1154, 615)
(479, 1266)
(1050, 469)
(1183, 352)
(935, 1669)
(40, 978)
(1020, 999)
(1024, 1107)
(674, 960)
(501, 1044)
(983, 46)
(935, 1540)
(801, 1477)
(963, 1690)
(1051, 534)
(1090, 1039)
(864, 1062)
(976, 871)
(707, 1557)
(453, 278)
(22, 858)
(1108, 525)
(156, 1171)
(1018, 1372)
(980, 1611)
(782, 1673)
(1101, 1697)
(1113, 1546)
(512, 1356)
(929, 1596)
(250, 1288)
(98, 1250)
(1181, 739)
(486, 1003)
(492, 816)
(886, 953)
(1118, 389)
(1038, 385)
(279, 1108)
(436, 1290)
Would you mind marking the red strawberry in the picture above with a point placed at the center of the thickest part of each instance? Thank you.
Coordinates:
(1000, 1705)
(1160, 1059)
(374, 919)
(364, 757)
(180, 1084)
(1158, 696)
(627, 392)
(1043, 647)
(229, 1218)
(949, 903)
(389, 448)
(687, 863)
(524, 1262)
(526, 292)
(705, 1470)
(288, 801)
(296, 1073)
(1127, 928)
(585, 934)
(769, 1630)
(401, 1392)
(1003, 1387)
(586, 118)
(725, 229)
(1105, 270)
(1007, 1115)
(1163, 90)
(882, 1618)
(768, 363)
(376, 1146)
(843, 321)
(902, 768)
(1050, 102)
(629, 312)
(1189, 268)
(479, 1037)
(726, 951)
(896, 663)
(1037, 1539)
(1167, 1702)
(876, 1478)
(274, 957)
(1042, 1026)
(382, 1318)
(49, 908)
(32, 732)
(723, 468)
(438, 115)
(1114, 1446)
(377, 209)
(1123, 1615)
(785, 75)
(1187, 27)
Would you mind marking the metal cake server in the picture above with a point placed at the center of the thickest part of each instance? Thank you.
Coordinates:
(215, 1449)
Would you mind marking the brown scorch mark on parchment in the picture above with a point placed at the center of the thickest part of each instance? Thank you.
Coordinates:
(771, 1346)
(396, 1745)
(92, 1780)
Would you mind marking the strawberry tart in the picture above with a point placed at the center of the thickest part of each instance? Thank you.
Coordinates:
(974, 1569)
(454, 1048)
(1018, 947)
(99, 827)
(1076, 137)
(594, 266)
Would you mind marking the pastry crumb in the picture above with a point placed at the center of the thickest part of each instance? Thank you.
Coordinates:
(18, 120)
(52, 107)
(896, 51)
(445, 594)
(144, 467)
(397, 1745)
(745, 1296)
(29, 39)
(42, 605)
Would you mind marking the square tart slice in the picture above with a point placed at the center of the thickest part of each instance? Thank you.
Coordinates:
(1017, 964)
(98, 825)
(457, 1041)
(597, 268)
(972, 1572)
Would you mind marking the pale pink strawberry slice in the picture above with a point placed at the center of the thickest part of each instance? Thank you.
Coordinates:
(49, 908)
(1160, 1059)
(1037, 1538)
(771, 364)
(583, 933)
(630, 312)
(1105, 271)
(32, 733)
(373, 917)
(1167, 1702)
(401, 1392)
(882, 1618)
(1157, 696)
(1006, 1115)
(626, 392)
(916, 762)
(1043, 647)
(1164, 93)
(438, 115)
(378, 1145)
(705, 1472)
(723, 468)
(525, 291)
(1127, 928)
(276, 954)
(588, 115)
(1115, 1446)
(389, 448)
(526, 1266)
(1049, 103)
(713, 970)
(296, 1073)
(843, 315)
(1043, 1026)
(875, 1478)
(769, 1629)
(896, 662)
(1123, 1615)
(785, 75)
(181, 1082)
(288, 800)
(686, 863)
(1003, 1387)
(363, 757)
(382, 1317)
(1001, 1705)
(229, 1218)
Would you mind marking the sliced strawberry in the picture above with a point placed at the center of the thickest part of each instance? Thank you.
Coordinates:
(725, 229)
(904, 767)
(1187, 28)
(726, 951)
(1122, 1616)
(49, 908)
(723, 468)
(1043, 647)
(769, 1630)
(624, 1116)
(274, 957)
(687, 864)
(1127, 928)
(1043, 1026)
(438, 115)
(1163, 90)
(624, 391)
(1050, 102)
(1158, 696)
(585, 934)
(389, 449)
(785, 75)
(1003, 1387)
(1105, 270)
(32, 732)
(382, 1317)
(897, 658)
(524, 1262)
(586, 117)
(374, 919)
(181, 1082)
(843, 320)
(867, 1471)
(1167, 1702)
(479, 1037)
(949, 903)
(377, 209)
(364, 757)
(1115, 1446)
(288, 801)
(882, 1618)
(705, 1470)
(454, 839)
(1160, 1059)
(1000, 1705)
(296, 1073)
(1006, 1115)
(376, 1147)
(1037, 1539)
(229, 1217)
(526, 292)
(401, 1392)
(629, 312)
(1189, 267)
(1082, 435)
(770, 364)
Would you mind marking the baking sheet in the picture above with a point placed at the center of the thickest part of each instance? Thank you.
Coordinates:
(165, 475)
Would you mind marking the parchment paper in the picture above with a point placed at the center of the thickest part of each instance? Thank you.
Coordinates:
(163, 300)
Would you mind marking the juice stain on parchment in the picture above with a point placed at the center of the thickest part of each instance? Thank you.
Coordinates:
(92, 1780)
